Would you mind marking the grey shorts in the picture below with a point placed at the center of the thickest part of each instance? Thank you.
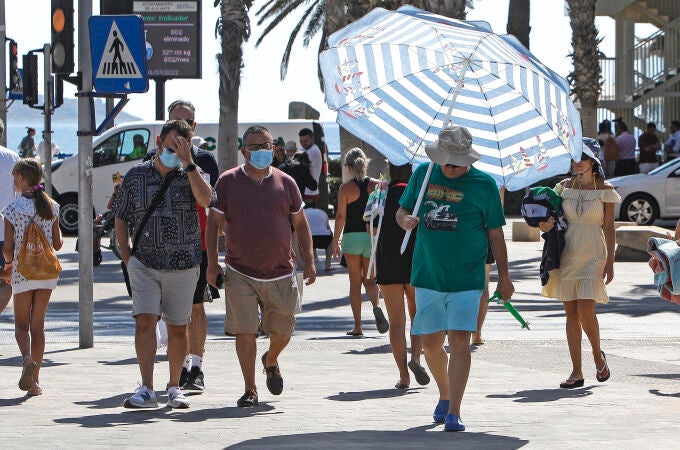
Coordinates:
(279, 300)
(165, 293)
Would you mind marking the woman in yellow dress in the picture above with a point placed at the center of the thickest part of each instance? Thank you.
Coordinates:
(587, 260)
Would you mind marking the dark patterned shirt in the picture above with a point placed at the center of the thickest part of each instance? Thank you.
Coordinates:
(171, 238)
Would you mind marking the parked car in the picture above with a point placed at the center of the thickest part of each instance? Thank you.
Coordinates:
(647, 197)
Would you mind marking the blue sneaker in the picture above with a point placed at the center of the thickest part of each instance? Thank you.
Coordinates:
(440, 411)
(453, 423)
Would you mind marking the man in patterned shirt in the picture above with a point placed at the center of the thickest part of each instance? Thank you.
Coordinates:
(165, 266)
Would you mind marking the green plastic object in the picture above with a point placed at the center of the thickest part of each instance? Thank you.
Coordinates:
(499, 299)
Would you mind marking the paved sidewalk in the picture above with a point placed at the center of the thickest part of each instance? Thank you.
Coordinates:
(339, 390)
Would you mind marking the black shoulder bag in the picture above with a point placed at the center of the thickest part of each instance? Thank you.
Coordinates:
(138, 233)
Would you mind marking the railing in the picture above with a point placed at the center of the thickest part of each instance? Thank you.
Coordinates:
(651, 62)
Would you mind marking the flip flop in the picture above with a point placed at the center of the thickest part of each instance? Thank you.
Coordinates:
(422, 378)
(26, 380)
(381, 322)
(600, 377)
(477, 343)
(401, 386)
(571, 383)
(352, 333)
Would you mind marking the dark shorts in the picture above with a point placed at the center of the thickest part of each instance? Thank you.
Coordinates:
(322, 241)
(489, 255)
(203, 292)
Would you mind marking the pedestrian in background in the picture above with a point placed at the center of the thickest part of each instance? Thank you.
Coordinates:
(611, 150)
(626, 164)
(8, 160)
(587, 260)
(356, 242)
(648, 143)
(461, 214)
(192, 377)
(393, 275)
(27, 144)
(31, 297)
(306, 136)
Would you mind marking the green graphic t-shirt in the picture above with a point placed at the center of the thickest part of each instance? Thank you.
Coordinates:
(452, 241)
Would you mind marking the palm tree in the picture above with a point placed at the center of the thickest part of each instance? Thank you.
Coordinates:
(233, 28)
(586, 79)
(518, 20)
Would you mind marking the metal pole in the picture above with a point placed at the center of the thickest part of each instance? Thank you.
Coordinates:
(85, 290)
(160, 98)
(3, 70)
(47, 132)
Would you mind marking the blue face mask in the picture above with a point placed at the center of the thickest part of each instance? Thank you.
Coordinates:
(169, 159)
(261, 159)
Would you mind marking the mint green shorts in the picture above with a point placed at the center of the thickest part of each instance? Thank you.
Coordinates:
(358, 243)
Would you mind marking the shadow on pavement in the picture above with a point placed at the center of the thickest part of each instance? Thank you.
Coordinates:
(663, 376)
(651, 391)
(126, 417)
(13, 401)
(380, 349)
(375, 394)
(105, 403)
(160, 357)
(414, 438)
(545, 395)
(15, 361)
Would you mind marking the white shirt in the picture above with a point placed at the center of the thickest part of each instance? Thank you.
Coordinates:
(318, 222)
(315, 162)
(41, 151)
(8, 159)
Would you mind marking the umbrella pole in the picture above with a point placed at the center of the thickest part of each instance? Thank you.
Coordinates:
(421, 194)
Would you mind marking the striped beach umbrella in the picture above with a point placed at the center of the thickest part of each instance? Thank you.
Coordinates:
(397, 78)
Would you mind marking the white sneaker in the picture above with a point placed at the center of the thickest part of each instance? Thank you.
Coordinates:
(142, 398)
(176, 398)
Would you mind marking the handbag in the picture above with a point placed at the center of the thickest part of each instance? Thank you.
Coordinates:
(138, 233)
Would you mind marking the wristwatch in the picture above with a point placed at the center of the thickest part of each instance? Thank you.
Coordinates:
(190, 168)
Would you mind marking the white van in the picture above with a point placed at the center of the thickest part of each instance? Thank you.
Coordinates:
(111, 157)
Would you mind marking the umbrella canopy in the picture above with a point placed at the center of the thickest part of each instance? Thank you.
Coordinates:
(397, 78)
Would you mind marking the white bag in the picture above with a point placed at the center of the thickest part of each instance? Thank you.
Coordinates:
(161, 334)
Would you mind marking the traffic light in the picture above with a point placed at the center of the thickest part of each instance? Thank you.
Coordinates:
(62, 37)
(30, 80)
(13, 64)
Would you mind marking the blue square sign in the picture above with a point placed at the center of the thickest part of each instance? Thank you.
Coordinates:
(118, 54)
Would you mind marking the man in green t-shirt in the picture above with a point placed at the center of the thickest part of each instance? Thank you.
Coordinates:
(460, 216)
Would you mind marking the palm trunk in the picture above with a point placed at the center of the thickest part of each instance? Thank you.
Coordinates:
(518, 20)
(234, 30)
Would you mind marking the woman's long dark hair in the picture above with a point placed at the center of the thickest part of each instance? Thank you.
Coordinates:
(31, 171)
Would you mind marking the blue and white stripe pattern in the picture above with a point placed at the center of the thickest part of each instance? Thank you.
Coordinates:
(392, 75)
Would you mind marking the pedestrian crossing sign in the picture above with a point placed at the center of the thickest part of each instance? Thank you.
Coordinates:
(118, 54)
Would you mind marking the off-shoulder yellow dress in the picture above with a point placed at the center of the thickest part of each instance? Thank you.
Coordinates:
(585, 254)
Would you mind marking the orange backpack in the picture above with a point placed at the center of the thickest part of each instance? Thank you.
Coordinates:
(37, 259)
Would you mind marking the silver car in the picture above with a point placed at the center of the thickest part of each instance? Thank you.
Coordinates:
(647, 197)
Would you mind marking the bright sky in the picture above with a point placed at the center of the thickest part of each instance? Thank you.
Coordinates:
(263, 96)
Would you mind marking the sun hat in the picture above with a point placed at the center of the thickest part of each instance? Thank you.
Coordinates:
(279, 141)
(197, 141)
(591, 148)
(290, 145)
(453, 147)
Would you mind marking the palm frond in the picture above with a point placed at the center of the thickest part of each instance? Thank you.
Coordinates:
(277, 20)
(280, 9)
(316, 21)
(289, 47)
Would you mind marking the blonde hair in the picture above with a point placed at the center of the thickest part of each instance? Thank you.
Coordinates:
(356, 159)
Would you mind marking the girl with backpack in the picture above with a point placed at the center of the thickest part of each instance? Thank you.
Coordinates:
(31, 292)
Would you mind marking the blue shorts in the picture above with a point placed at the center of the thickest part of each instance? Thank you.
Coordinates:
(442, 311)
